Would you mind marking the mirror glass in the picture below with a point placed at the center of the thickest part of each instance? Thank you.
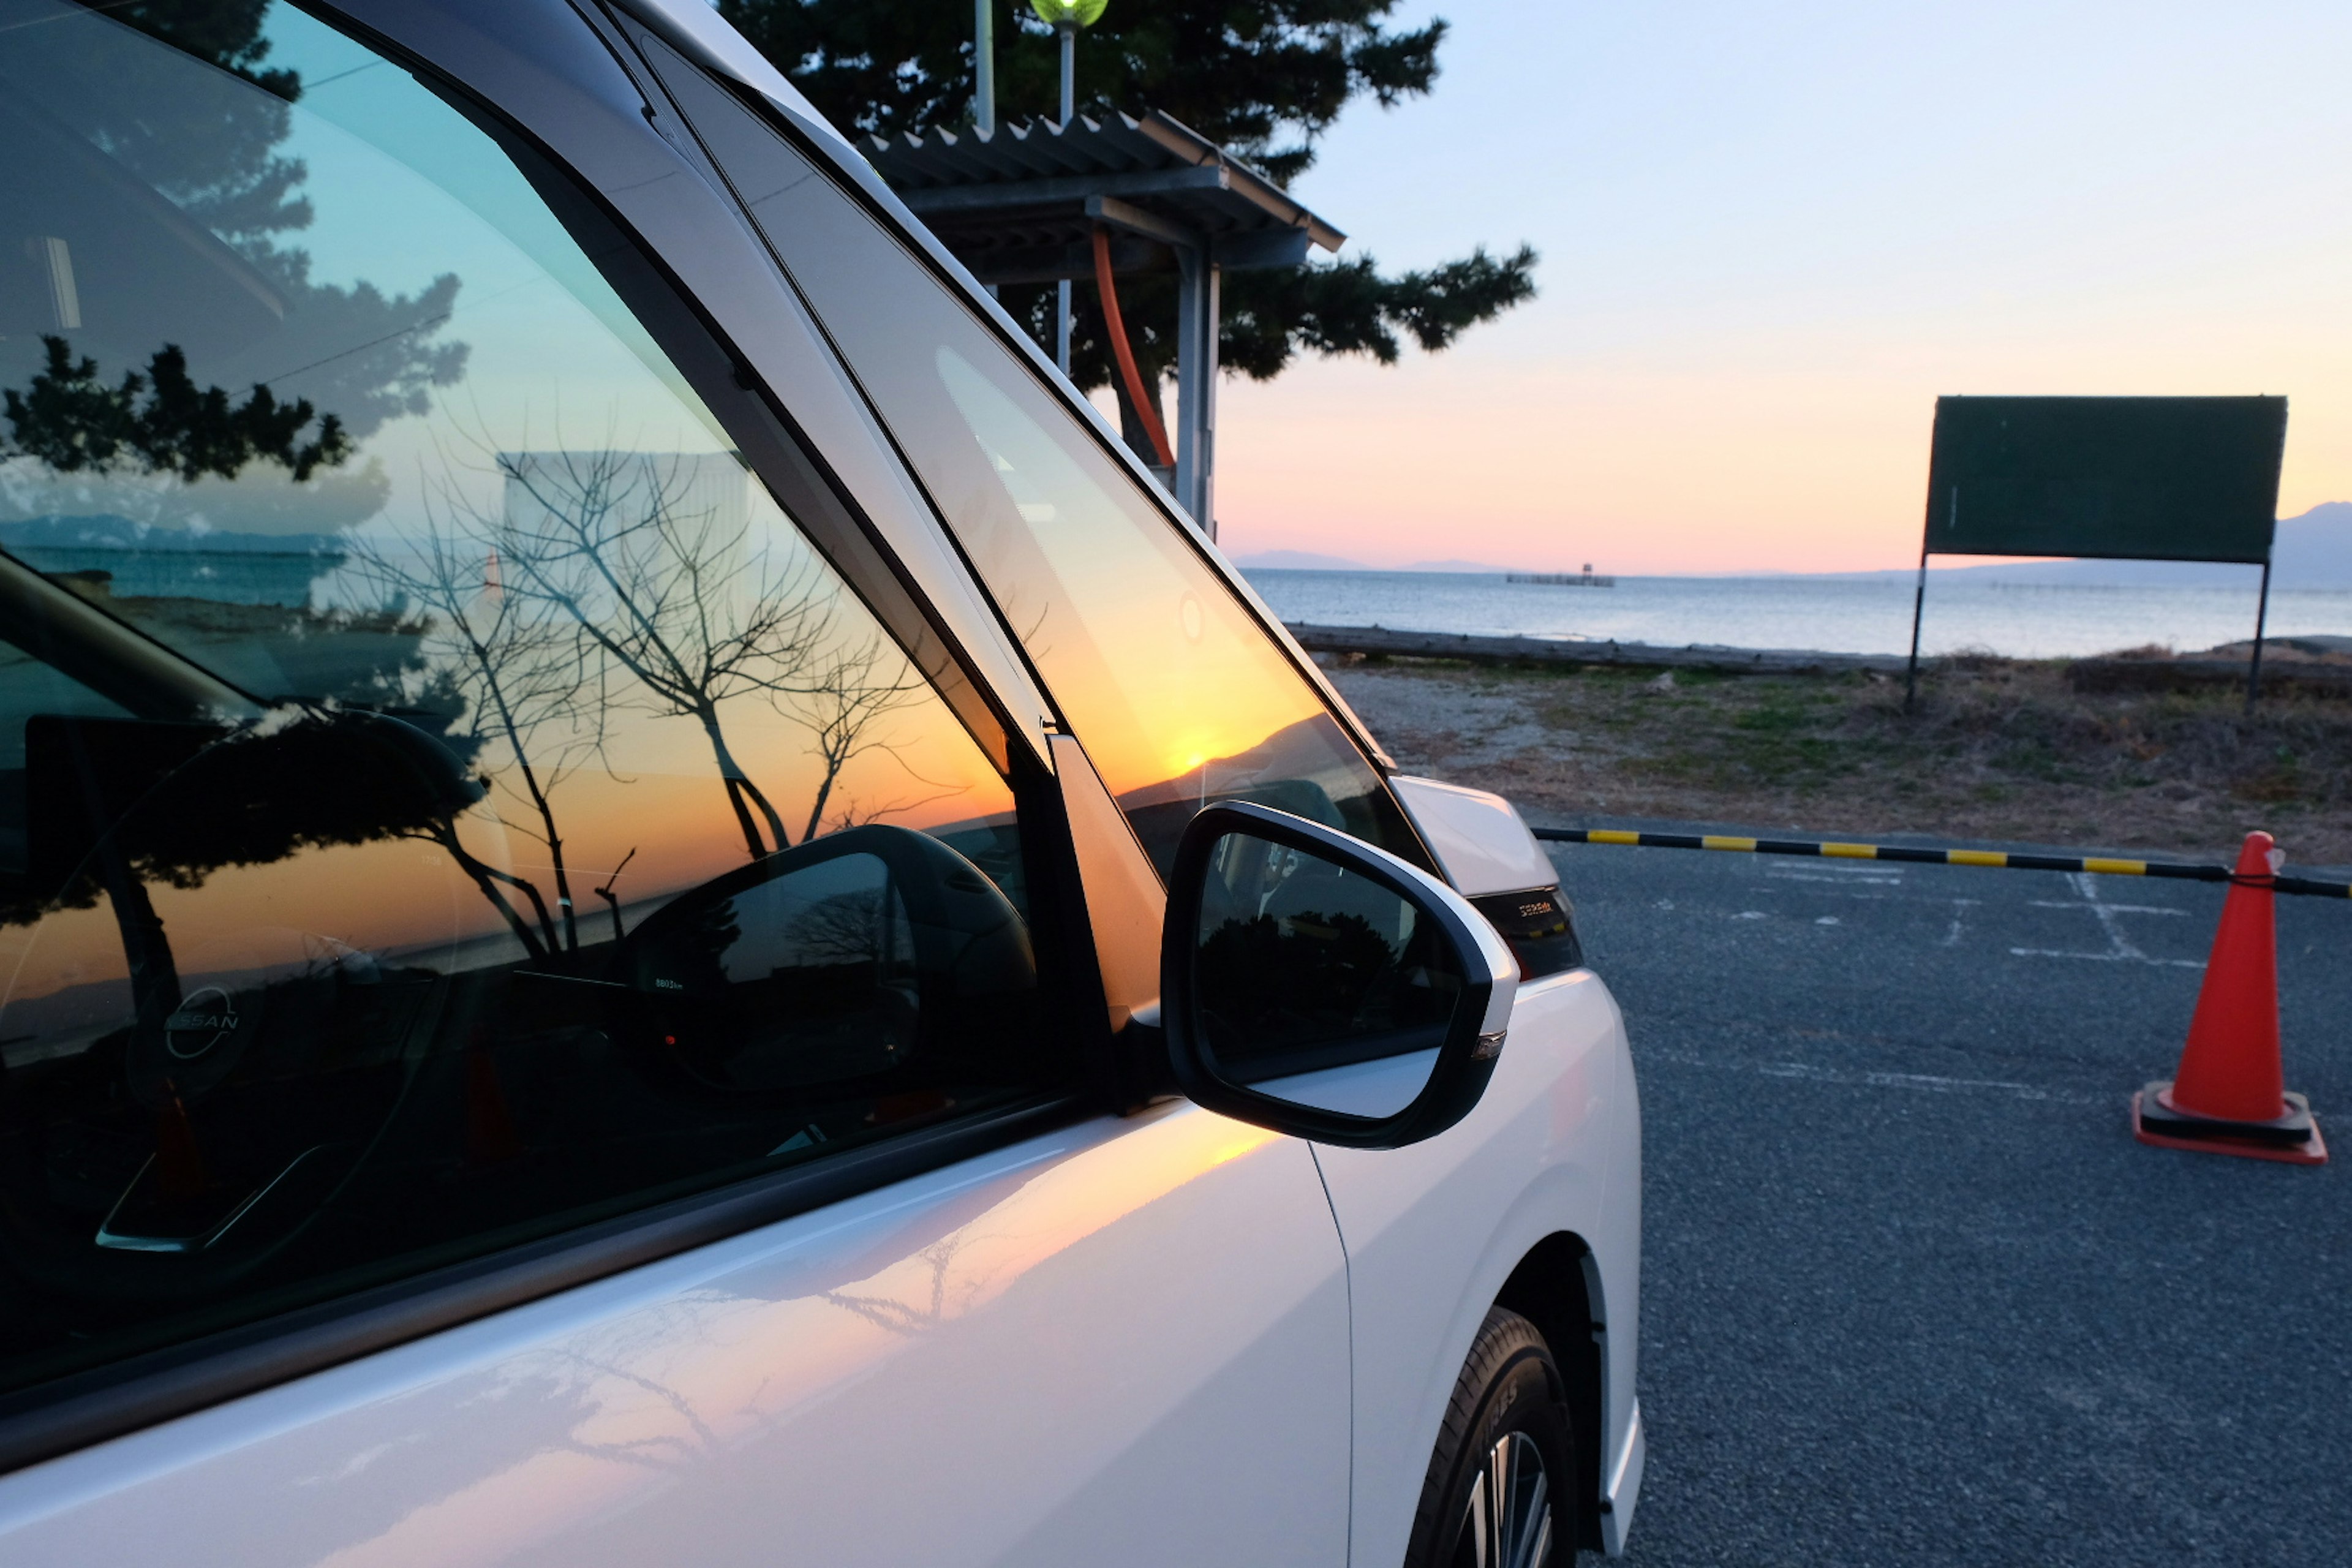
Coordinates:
(1315, 984)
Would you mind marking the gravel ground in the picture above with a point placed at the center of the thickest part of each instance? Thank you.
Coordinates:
(1912, 1293)
(1996, 749)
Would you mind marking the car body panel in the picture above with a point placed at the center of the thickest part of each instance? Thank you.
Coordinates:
(1613, 1260)
(1433, 1230)
(1571, 1022)
(1478, 839)
(1015, 1359)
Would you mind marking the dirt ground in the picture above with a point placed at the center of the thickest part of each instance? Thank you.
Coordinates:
(1997, 749)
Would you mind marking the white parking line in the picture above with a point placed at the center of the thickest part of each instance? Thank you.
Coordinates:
(1877, 876)
(1923, 1083)
(2121, 949)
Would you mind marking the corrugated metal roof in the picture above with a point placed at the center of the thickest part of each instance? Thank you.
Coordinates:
(1009, 202)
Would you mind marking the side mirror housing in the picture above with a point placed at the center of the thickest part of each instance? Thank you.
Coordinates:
(1315, 985)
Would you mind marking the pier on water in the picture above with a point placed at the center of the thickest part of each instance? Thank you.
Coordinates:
(1584, 579)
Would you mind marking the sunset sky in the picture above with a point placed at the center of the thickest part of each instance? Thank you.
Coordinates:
(1772, 234)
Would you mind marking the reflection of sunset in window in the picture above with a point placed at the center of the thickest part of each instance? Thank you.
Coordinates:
(1165, 678)
(474, 855)
(1156, 685)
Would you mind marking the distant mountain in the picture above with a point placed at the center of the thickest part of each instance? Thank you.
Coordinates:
(1309, 561)
(2315, 551)
(1486, 566)
(1299, 561)
(2311, 551)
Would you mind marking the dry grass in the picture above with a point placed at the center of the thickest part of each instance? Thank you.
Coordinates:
(1997, 749)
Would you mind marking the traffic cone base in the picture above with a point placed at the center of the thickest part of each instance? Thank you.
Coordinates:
(2291, 1140)
(2162, 1110)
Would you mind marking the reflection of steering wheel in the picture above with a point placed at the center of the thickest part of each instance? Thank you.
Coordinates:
(806, 971)
(215, 1044)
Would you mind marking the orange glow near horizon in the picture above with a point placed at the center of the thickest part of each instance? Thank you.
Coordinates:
(406, 896)
(1768, 455)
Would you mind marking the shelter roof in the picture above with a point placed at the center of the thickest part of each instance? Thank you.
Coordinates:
(1021, 203)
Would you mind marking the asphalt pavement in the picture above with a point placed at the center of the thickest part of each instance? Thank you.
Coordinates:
(1912, 1293)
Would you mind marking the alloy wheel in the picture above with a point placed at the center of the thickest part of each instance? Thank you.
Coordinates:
(1507, 1520)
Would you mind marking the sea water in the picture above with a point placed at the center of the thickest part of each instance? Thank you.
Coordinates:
(1831, 615)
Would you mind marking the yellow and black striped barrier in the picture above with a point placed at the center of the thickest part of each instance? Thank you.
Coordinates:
(1830, 849)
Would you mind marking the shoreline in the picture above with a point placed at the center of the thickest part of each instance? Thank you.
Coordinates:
(2321, 665)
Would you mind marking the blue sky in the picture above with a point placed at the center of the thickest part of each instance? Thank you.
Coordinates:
(1772, 235)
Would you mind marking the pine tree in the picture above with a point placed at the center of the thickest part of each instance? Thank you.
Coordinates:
(1266, 78)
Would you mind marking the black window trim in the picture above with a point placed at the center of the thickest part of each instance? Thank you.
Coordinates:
(58, 1416)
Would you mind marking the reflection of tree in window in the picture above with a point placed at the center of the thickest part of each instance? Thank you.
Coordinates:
(305, 781)
(660, 564)
(156, 432)
(530, 683)
(182, 393)
(209, 145)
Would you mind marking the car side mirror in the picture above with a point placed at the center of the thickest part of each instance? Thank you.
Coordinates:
(1315, 985)
(872, 962)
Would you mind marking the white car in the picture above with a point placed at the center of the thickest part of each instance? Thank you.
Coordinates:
(659, 910)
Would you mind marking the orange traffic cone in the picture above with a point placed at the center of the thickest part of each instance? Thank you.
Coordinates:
(2228, 1096)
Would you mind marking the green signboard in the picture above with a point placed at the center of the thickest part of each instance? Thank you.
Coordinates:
(2149, 479)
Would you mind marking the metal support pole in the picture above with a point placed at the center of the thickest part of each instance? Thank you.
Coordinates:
(1069, 31)
(984, 64)
(1918, 604)
(2261, 614)
(1196, 385)
(983, 75)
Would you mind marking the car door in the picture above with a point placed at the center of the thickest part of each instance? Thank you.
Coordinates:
(1181, 695)
(550, 1011)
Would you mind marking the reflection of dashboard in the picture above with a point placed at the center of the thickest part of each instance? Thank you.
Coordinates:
(279, 979)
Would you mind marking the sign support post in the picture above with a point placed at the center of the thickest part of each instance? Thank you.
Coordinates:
(2254, 666)
(1918, 606)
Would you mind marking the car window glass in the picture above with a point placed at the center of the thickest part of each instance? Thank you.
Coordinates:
(444, 798)
(1177, 694)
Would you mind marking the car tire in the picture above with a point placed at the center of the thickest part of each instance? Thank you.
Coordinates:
(1501, 1491)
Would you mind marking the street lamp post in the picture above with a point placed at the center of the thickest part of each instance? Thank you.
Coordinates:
(983, 62)
(1066, 18)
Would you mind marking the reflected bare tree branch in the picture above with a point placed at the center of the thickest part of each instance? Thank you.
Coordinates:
(682, 597)
(605, 578)
(529, 676)
(842, 706)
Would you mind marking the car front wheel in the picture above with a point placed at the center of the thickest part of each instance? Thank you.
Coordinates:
(1500, 1491)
